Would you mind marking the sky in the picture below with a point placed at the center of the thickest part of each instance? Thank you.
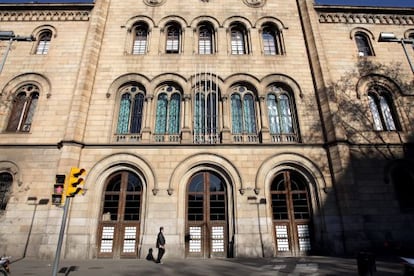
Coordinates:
(382, 3)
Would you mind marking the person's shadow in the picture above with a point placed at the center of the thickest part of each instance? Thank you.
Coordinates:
(150, 257)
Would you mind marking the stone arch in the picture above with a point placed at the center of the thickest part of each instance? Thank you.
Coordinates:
(97, 177)
(201, 162)
(299, 163)
(121, 80)
(237, 19)
(244, 78)
(139, 18)
(363, 30)
(13, 169)
(270, 19)
(205, 18)
(278, 78)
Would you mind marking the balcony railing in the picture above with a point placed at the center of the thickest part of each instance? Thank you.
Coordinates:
(165, 138)
(246, 138)
(284, 138)
(206, 139)
(128, 138)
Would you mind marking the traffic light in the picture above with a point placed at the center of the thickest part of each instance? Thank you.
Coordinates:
(75, 182)
(58, 190)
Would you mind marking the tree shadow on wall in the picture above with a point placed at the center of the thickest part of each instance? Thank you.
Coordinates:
(371, 188)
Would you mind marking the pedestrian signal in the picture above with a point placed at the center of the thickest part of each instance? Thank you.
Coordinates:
(58, 190)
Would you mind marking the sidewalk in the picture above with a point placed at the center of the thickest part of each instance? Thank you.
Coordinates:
(312, 265)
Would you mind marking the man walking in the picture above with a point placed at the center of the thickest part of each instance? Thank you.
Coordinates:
(160, 245)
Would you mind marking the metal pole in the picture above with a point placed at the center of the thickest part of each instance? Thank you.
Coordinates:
(3, 61)
(407, 55)
(61, 234)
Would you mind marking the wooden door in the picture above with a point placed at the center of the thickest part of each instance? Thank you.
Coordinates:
(206, 226)
(120, 217)
(291, 214)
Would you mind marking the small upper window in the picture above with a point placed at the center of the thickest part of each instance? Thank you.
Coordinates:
(24, 106)
(239, 45)
(173, 39)
(272, 40)
(205, 40)
(363, 44)
(43, 45)
(140, 39)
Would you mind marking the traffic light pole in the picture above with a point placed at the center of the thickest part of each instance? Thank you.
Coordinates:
(61, 234)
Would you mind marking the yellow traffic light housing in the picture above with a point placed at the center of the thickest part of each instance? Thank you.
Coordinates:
(75, 182)
(58, 196)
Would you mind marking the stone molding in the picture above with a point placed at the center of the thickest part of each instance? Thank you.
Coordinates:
(254, 3)
(383, 19)
(37, 15)
(380, 19)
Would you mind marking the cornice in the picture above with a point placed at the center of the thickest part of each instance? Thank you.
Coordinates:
(383, 19)
(44, 15)
(365, 15)
(46, 12)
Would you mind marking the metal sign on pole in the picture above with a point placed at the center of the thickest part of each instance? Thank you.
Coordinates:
(61, 234)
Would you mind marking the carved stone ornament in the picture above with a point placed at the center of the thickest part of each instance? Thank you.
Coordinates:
(254, 3)
(154, 3)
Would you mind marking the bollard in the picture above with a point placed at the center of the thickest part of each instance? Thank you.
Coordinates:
(366, 264)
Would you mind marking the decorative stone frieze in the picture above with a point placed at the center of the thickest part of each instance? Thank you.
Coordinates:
(154, 3)
(254, 3)
(383, 19)
(44, 15)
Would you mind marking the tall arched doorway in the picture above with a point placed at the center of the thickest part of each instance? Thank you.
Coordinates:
(291, 214)
(118, 233)
(207, 216)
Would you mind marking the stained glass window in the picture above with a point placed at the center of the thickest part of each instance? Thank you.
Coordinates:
(243, 111)
(382, 111)
(280, 112)
(131, 109)
(168, 111)
(24, 106)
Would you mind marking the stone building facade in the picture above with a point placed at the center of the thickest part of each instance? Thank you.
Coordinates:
(245, 127)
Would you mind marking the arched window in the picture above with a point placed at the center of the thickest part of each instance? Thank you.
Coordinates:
(173, 39)
(243, 111)
(205, 39)
(272, 40)
(43, 44)
(6, 181)
(280, 109)
(382, 110)
(131, 109)
(168, 111)
(363, 45)
(24, 106)
(239, 41)
(140, 39)
(206, 109)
